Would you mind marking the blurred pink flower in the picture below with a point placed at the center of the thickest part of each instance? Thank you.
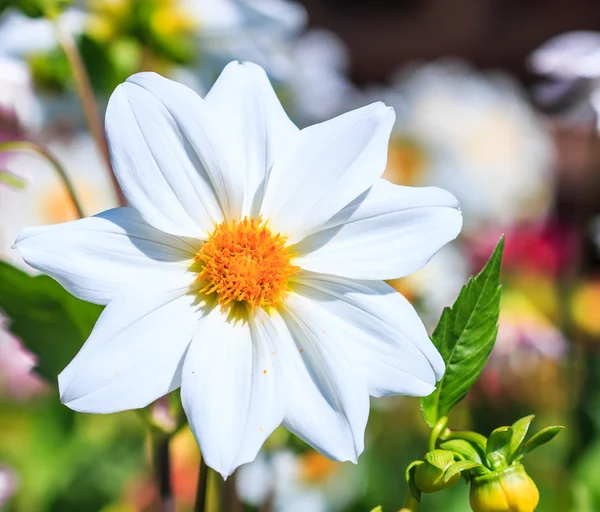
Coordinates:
(8, 484)
(16, 378)
(548, 248)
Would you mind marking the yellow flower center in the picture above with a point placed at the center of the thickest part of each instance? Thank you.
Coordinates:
(245, 262)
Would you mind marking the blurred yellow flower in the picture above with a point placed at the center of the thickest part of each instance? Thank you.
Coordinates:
(407, 160)
(585, 305)
(315, 468)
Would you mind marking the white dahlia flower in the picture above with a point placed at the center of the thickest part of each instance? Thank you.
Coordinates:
(248, 269)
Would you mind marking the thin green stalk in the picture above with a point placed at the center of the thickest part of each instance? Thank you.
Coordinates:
(202, 488)
(162, 469)
(24, 145)
(439, 427)
(87, 100)
(473, 437)
(410, 503)
(230, 501)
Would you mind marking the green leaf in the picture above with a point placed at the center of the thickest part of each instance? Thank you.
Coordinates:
(410, 479)
(542, 437)
(378, 508)
(12, 180)
(441, 459)
(519, 428)
(498, 446)
(465, 336)
(49, 321)
(463, 465)
(463, 448)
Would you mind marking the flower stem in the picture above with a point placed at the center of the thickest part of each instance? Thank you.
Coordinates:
(229, 498)
(473, 437)
(87, 100)
(410, 503)
(439, 427)
(162, 469)
(24, 145)
(201, 490)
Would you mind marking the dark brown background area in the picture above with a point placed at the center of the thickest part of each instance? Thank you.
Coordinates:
(382, 35)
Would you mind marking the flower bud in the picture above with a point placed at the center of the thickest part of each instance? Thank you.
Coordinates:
(507, 490)
(428, 478)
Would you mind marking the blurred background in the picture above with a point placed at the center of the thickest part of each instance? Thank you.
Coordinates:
(496, 100)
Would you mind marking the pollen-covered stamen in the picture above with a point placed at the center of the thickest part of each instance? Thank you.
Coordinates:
(245, 262)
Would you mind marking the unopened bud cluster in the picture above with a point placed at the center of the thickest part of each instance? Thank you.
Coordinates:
(492, 466)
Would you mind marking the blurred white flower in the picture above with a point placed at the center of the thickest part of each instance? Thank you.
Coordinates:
(19, 109)
(475, 135)
(308, 69)
(569, 55)
(571, 63)
(8, 484)
(44, 200)
(256, 30)
(440, 281)
(201, 175)
(21, 35)
(318, 86)
(20, 38)
(297, 483)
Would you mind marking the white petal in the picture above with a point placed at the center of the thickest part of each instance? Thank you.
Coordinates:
(135, 352)
(167, 159)
(327, 396)
(254, 126)
(99, 257)
(233, 390)
(387, 232)
(385, 332)
(569, 55)
(327, 166)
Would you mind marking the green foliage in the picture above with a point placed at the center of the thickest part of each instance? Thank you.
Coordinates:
(540, 438)
(519, 431)
(68, 462)
(51, 323)
(37, 8)
(463, 449)
(51, 71)
(498, 447)
(99, 65)
(410, 479)
(465, 336)
(439, 458)
(464, 465)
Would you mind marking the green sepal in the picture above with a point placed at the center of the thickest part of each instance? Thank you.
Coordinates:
(498, 446)
(519, 428)
(441, 459)
(465, 336)
(410, 479)
(464, 465)
(540, 438)
(438, 429)
(463, 449)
